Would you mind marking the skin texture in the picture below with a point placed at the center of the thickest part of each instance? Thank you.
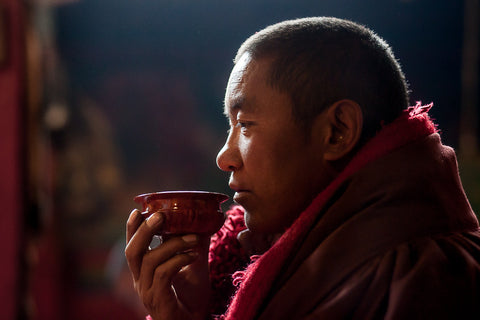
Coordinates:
(276, 167)
(171, 280)
(276, 170)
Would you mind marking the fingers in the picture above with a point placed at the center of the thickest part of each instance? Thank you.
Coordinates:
(139, 235)
(161, 264)
(153, 270)
(134, 221)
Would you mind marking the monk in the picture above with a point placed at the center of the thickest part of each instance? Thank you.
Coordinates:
(349, 205)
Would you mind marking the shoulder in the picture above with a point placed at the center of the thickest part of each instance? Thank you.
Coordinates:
(432, 277)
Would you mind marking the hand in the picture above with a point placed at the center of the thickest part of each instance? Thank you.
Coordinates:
(172, 280)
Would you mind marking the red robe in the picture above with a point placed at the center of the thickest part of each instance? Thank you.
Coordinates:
(393, 237)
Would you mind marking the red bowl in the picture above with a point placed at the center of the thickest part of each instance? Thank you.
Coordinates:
(185, 211)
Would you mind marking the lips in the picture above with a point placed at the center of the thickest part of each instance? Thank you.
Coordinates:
(241, 196)
(241, 193)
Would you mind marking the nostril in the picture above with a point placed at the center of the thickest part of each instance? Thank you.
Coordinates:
(221, 163)
(227, 160)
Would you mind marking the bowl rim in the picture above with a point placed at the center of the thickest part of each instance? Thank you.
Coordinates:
(145, 197)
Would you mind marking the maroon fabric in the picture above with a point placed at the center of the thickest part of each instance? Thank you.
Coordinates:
(12, 122)
(387, 250)
(389, 238)
(226, 256)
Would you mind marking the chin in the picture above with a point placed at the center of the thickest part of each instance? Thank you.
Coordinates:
(252, 224)
(261, 227)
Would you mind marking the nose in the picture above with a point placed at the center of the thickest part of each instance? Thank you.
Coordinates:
(228, 158)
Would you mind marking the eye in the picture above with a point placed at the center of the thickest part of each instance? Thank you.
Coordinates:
(244, 125)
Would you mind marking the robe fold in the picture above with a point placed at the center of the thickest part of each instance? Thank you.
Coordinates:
(393, 237)
(396, 241)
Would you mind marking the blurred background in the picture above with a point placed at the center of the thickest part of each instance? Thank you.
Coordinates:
(102, 100)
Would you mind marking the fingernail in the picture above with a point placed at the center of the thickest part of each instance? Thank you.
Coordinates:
(154, 219)
(135, 214)
(190, 238)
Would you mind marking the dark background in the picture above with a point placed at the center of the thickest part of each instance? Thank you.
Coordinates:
(133, 103)
(158, 69)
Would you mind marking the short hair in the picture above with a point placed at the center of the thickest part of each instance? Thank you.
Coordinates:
(321, 60)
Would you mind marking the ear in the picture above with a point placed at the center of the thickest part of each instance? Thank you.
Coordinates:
(344, 120)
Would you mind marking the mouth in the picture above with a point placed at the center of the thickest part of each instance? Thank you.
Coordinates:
(241, 193)
(241, 196)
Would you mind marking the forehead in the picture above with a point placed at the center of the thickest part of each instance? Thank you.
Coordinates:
(246, 80)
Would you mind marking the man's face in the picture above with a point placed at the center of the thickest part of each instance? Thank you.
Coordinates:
(275, 170)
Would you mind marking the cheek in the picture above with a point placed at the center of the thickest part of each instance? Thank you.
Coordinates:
(268, 153)
(251, 151)
(284, 152)
(244, 146)
(257, 155)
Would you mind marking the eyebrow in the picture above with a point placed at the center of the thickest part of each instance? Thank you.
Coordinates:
(236, 105)
(241, 103)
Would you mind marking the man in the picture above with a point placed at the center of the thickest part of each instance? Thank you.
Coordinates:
(357, 203)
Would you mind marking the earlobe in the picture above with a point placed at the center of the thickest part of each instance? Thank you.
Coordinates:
(344, 120)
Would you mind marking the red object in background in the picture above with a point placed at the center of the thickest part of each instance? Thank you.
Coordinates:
(32, 268)
(11, 103)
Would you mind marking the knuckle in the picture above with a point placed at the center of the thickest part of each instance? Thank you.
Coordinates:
(182, 260)
(132, 254)
(150, 259)
(179, 244)
(161, 275)
(128, 253)
(132, 220)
